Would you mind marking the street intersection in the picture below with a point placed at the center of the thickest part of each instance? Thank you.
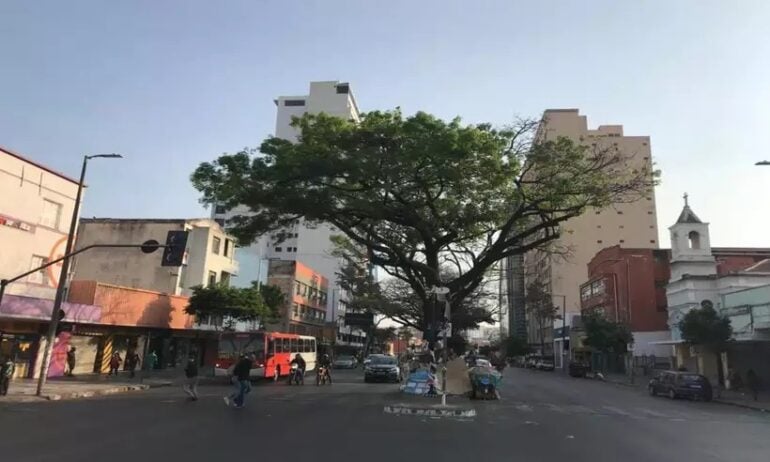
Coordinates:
(541, 416)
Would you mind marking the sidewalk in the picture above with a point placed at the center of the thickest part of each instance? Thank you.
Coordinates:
(83, 386)
(732, 398)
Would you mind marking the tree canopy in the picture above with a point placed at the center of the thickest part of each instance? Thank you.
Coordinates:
(419, 193)
(227, 304)
(538, 301)
(704, 326)
(605, 335)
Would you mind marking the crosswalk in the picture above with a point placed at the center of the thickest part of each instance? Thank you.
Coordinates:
(606, 410)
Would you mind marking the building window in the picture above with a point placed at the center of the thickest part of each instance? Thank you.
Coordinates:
(215, 244)
(51, 214)
(649, 213)
(225, 279)
(37, 277)
(622, 241)
(228, 247)
(343, 88)
(279, 249)
(620, 212)
(294, 102)
(652, 241)
(599, 242)
(212, 278)
(219, 209)
(299, 287)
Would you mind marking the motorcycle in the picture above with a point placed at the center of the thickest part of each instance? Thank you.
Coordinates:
(322, 377)
(296, 376)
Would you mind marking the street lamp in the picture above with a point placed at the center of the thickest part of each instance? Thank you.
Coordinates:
(50, 338)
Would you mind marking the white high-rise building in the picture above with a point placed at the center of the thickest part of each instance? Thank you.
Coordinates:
(309, 244)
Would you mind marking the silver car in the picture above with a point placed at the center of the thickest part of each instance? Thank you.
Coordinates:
(344, 362)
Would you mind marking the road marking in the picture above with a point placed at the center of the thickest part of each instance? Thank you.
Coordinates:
(529, 422)
(570, 437)
(581, 409)
(555, 408)
(523, 407)
(652, 413)
(616, 410)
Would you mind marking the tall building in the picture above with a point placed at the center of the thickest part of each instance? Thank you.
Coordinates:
(209, 256)
(632, 225)
(309, 244)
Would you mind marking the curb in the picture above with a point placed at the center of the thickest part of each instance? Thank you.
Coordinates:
(107, 391)
(433, 411)
(744, 406)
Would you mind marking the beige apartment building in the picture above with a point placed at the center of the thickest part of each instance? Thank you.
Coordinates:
(209, 257)
(36, 205)
(632, 225)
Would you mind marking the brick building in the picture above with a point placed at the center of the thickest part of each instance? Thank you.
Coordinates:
(629, 286)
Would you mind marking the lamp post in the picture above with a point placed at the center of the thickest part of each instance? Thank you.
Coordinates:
(50, 338)
(563, 329)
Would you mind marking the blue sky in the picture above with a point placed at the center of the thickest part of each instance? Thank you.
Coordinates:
(169, 84)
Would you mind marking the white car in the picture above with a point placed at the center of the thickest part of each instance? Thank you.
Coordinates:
(344, 362)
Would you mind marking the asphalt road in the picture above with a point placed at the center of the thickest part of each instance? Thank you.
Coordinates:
(541, 417)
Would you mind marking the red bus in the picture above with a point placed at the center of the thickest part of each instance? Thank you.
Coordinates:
(273, 351)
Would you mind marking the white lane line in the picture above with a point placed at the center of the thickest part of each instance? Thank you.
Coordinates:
(580, 409)
(555, 408)
(652, 413)
(616, 410)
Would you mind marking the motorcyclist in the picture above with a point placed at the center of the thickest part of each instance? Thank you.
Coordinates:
(326, 362)
(300, 362)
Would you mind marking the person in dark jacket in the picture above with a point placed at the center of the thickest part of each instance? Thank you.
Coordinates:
(71, 358)
(6, 373)
(242, 379)
(191, 379)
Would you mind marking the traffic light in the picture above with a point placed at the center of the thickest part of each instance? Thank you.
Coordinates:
(176, 244)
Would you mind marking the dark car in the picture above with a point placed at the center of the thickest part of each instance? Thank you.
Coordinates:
(676, 384)
(382, 368)
(578, 369)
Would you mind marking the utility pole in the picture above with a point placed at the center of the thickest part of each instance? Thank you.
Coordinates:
(51, 337)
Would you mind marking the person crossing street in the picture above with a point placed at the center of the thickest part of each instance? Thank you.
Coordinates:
(242, 380)
(191, 379)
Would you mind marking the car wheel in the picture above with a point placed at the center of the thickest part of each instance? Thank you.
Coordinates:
(651, 389)
(671, 394)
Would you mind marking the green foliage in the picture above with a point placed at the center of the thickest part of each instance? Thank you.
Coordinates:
(419, 193)
(235, 304)
(605, 335)
(704, 326)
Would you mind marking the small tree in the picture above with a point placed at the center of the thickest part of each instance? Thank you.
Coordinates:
(232, 304)
(604, 335)
(515, 346)
(704, 326)
(540, 307)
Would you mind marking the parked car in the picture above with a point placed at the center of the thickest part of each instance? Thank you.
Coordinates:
(531, 362)
(382, 368)
(676, 384)
(545, 364)
(344, 362)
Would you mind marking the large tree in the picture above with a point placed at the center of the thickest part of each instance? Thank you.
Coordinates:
(420, 193)
(605, 335)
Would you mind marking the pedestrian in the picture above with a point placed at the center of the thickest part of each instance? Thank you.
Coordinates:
(115, 362)
(242, 380)
(6, 372)
(71, 362)
(753, 383)
(191, 379)
(132, 362)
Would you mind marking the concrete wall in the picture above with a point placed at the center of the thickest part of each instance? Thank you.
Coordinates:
(132, 268)
(24, 188)
(631, 225)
